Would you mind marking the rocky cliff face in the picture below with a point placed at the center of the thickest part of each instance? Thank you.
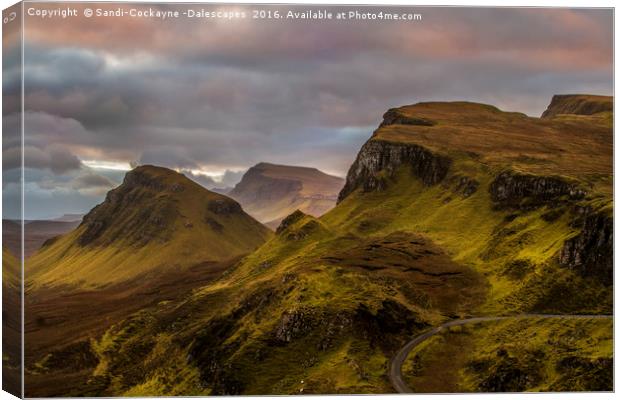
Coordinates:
(378, 160)
(511, 189)
(578, 105)
(394, 117)
(290, 220)
(590, 253)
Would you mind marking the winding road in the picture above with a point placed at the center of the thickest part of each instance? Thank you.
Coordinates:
(396, 363)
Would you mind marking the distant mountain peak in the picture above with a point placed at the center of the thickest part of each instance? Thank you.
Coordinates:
(272, 166)
(270, 192)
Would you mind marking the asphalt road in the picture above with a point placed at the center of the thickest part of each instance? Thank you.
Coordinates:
(396, 363)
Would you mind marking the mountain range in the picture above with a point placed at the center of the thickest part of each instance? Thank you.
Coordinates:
(451, 210)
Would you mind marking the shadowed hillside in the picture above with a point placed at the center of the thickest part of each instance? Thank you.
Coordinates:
(11, 323)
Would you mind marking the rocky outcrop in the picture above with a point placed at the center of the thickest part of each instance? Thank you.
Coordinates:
(224, 207)
(295, 324)
(508, 375)
(590, 253)
(381, 327)
(378, 160)
(309, 227)
(389, 321)
(588, 374)
(516, 190)
(290, 220)
(578, 104)
(140, 177)
(395, 117)
(464, 186)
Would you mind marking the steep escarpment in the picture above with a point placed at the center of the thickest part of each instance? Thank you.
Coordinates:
(270, 192)
(394, 117)
(510, 189)
(497, 192)
(378, 161)
(578, 104)
(590, 252)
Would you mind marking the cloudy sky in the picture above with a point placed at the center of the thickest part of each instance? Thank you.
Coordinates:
(214, 97)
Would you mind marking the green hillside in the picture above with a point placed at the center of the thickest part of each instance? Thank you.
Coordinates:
(157, 220)
(11, 323)
(450, 210)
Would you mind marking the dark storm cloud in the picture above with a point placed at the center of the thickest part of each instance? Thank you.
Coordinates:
(223, 95)
(58, 160)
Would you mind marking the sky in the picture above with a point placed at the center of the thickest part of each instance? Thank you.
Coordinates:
(211, 97)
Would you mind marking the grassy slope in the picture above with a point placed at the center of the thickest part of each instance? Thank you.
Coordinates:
(183, 240)
(549, 355)
(474, 234)
(11, 270)
(328, 283)
(11, 323)
(296, 277)
(578, 146)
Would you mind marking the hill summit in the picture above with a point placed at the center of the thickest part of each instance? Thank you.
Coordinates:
(578, 104)
(157, 218)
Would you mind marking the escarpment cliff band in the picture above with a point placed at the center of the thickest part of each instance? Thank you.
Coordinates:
(378, 160)
(578, 104)
(466, 146)
(510, 189)
(590, 252)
